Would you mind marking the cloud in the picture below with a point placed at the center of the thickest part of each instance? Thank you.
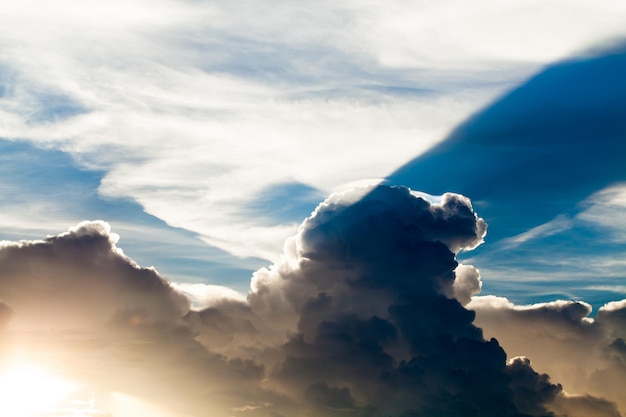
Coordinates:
(585, 405)
(531, 389)
(557, 225)
(605, 209)
(363, 315)
(467, 283)
(362, 289)
(204, 295)
(195, 109)
(228, 123)
(85, 279)
(621, 289)
(86, 310)
(585, 355)
(6, 315)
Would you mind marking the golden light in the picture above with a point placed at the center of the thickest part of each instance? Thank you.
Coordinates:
(29, 391)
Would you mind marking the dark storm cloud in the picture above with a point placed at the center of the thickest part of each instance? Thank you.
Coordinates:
(365, 252)
(369, 283)
(531, 389)
(363, 316)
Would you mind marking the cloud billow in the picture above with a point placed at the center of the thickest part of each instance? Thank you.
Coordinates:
(586, 355)
(80, 279)
(101, 319)
(378, 333)
(364, 315)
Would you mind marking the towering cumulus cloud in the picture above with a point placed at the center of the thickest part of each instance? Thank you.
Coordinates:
(369, 284)
(364, 316)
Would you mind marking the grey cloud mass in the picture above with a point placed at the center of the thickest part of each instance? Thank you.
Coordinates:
(364, 315)
(585, 355)
(80, 279)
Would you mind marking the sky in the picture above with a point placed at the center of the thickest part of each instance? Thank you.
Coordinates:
(393, 209)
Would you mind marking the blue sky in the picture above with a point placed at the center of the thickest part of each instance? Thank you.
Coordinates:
(544, 165)
(206, 132)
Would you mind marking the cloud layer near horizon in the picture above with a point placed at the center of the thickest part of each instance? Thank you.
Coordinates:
(364, 315)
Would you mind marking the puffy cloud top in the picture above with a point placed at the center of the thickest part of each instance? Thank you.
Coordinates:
(366, 245)
(368, 285)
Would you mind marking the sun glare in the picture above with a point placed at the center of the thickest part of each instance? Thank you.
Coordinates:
(28, 391)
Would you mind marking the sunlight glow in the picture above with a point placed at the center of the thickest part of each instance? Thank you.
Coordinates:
(28, 391)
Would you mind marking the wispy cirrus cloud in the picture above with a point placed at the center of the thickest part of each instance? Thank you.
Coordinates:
(194, 109)
(607, 209)
(559, 224)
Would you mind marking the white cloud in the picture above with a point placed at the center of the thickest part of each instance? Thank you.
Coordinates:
(557, 225)
(206, 295)
(195, 108)
(621, 289)
(489, 32)
(607, 209)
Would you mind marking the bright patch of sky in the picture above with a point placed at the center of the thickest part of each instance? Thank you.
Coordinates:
(205, 131)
